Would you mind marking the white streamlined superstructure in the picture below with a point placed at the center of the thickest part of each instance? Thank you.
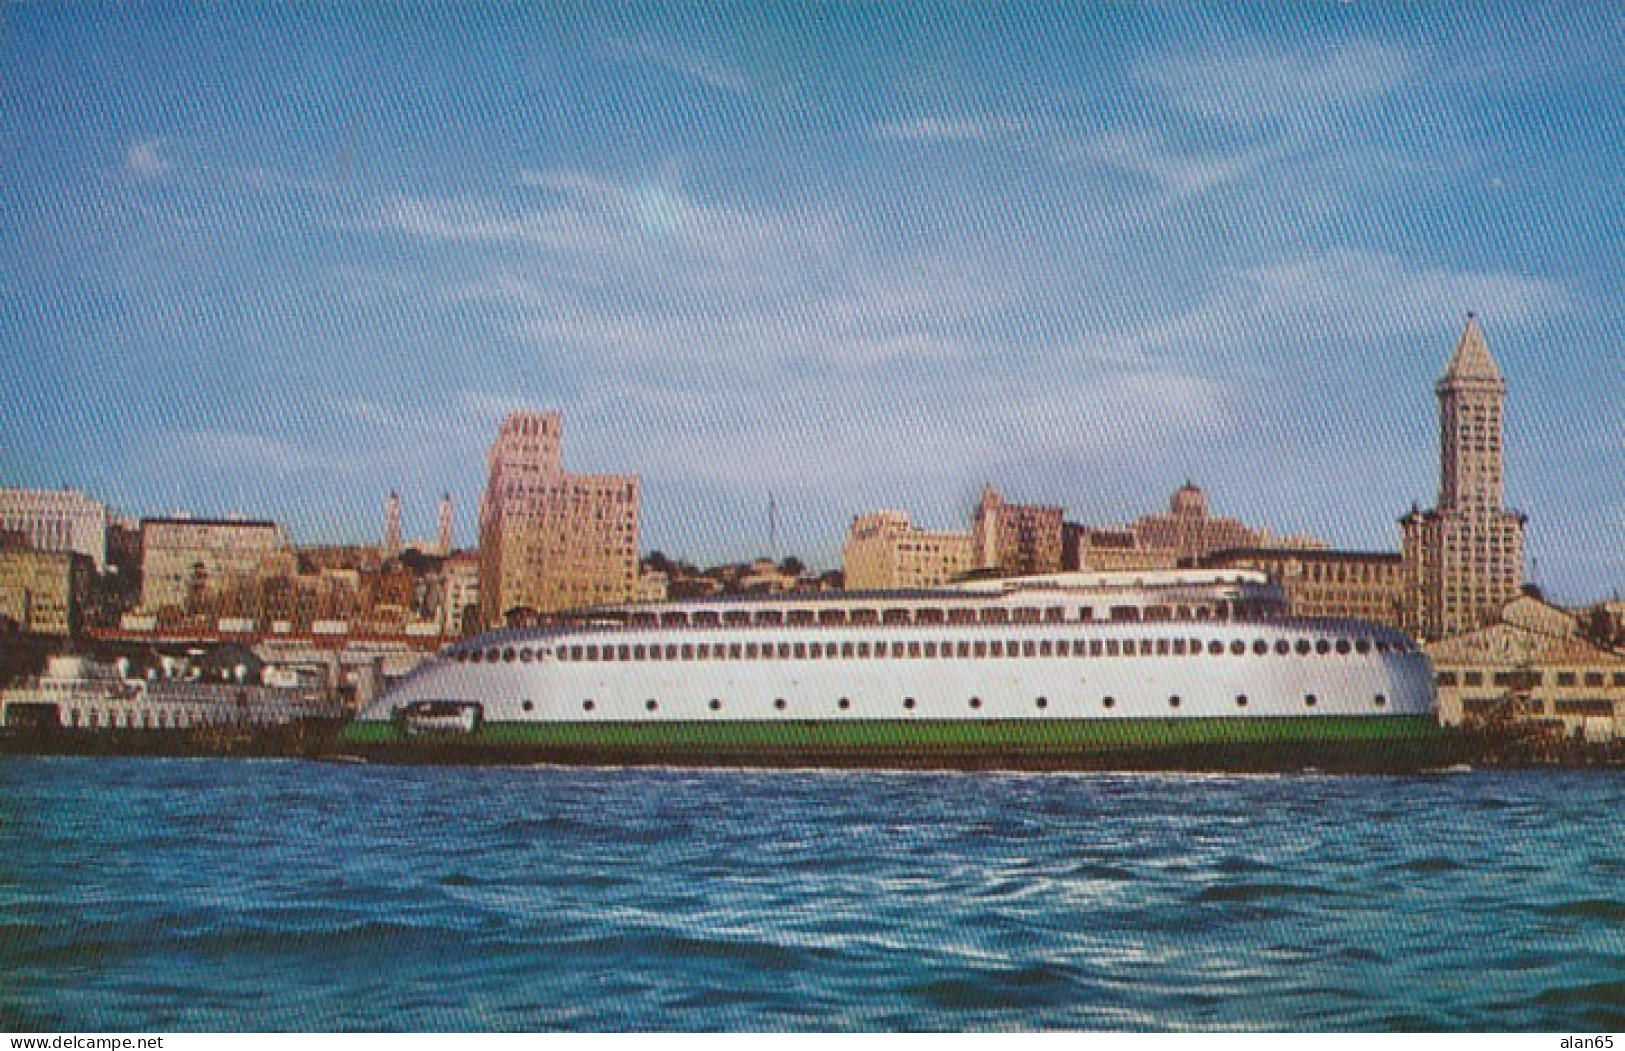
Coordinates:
(1196, 668)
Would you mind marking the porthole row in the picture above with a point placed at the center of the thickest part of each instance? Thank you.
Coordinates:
(934, 649)
(974, 703)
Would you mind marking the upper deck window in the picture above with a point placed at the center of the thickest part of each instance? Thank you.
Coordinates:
(928, 615)
(707, 620)
(961, 616)
(995, 615)
(674, 620)
(895, 616)
(769, 617)
(736, 618)
(800, 617)
(832, 616)
(1024, 615)
(863, 616)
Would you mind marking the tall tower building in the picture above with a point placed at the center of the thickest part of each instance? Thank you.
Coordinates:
(392, 525)
(551, 540)
(1463, 560)
(443, 543)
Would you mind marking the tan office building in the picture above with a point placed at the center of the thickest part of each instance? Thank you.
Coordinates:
(45, 592)
(1366, 585)
(57, 520)
(884, 550)
(1464, 558)
(551, 540)
(186, 562)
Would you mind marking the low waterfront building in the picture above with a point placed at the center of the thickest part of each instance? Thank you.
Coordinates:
(886, 551)
(1365, 585)
(57, 520)
(1533, 663)
(45, 592)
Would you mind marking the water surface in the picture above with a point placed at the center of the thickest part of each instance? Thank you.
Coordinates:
(198, 895)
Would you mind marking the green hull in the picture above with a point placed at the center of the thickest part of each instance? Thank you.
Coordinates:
(1372, 744)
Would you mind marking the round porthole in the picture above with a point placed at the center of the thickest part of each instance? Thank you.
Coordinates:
(1173, 702)
(652, 705)
(843, 704)
(588, 706)
(530, 706)
(1380, 701)
(1042, 702)
(1109, 702)
(715, 705)
(1241, 700)
(780, 704)
(1309, 701)
(908, 702)
(976, 702)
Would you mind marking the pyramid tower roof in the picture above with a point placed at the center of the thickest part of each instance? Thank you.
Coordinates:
(1471, 362)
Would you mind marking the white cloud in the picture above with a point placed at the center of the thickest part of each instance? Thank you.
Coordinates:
(1146, 153)
(948, 129)
(626, 224)
(708, 70)
(233, 452)
(146, 160)
(1250, 85)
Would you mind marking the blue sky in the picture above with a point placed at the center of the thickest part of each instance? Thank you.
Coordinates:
(281, 260)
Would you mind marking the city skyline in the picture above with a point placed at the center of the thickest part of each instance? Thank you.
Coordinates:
(284, 261)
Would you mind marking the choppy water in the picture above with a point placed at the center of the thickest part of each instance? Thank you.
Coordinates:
(180, 895)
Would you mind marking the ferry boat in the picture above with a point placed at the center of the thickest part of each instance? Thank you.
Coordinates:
(1181, 670)
(80, 704)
